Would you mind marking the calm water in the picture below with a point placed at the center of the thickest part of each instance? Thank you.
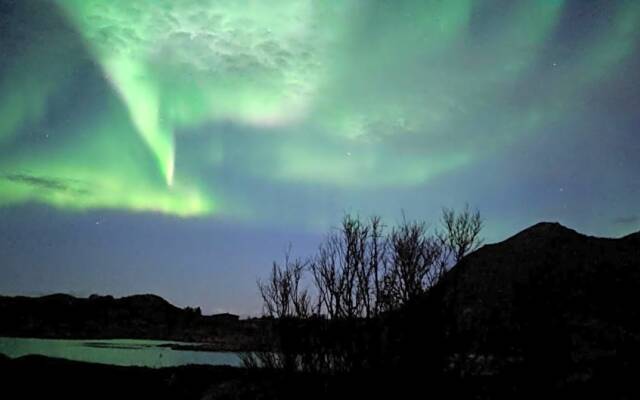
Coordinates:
(127, 352)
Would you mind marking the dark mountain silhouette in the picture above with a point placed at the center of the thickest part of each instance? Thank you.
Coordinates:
(139, 316)
(547, 309)
(634, 236)
(546, 271)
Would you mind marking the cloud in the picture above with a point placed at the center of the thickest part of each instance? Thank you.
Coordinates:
(45, 183)
(49, 183)
(627, 220)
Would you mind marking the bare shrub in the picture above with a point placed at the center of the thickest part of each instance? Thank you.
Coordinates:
(282, 294)
(359, 272)
(461, 234)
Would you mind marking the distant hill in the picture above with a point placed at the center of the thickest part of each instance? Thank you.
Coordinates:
(140, 316)
(548, 299)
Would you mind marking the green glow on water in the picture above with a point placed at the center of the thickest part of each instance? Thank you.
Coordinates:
(123, 352)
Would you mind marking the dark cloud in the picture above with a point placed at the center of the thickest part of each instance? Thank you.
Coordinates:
(48, 183)
(627, 220)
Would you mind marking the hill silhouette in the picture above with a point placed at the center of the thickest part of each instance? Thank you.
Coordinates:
(144, 316)
(546, 308)
(550, 270)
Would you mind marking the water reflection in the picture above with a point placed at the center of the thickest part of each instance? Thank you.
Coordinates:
(124, 352)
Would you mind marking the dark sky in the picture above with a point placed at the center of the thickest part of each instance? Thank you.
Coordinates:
(178, 147)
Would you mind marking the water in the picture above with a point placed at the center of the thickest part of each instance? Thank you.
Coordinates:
(125, 352)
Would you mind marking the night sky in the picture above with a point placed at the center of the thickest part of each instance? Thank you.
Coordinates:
(177, 147)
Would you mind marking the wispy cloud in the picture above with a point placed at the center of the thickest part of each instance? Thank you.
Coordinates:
(48, 183)
(627, 220)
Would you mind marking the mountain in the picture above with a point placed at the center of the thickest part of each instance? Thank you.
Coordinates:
(633, 237)
(547, 299)
(102, 317)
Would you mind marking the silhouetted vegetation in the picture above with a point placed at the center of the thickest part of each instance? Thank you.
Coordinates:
(330, 310)
(546, 311)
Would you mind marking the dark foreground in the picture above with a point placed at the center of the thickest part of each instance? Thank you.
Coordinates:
(36, 377)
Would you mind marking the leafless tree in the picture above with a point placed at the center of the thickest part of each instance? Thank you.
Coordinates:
(414, 262)
(282, 294)
(377, 248)
(461, 234)
(287, 301)
(359, 272)
(348, 269)
(339, 268)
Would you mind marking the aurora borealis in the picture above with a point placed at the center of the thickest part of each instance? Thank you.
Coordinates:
(155, 135)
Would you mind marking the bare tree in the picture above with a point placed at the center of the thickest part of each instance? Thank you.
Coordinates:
(348, 269)
(285, 300)
(359, 272)
(340, 272)
(414, 262)
(282, 294)
(461, 234)
(377, 248)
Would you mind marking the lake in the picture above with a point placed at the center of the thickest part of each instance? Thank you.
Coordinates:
(124, 352)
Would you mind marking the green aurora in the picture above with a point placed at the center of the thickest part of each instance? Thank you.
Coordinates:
(142, 105)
